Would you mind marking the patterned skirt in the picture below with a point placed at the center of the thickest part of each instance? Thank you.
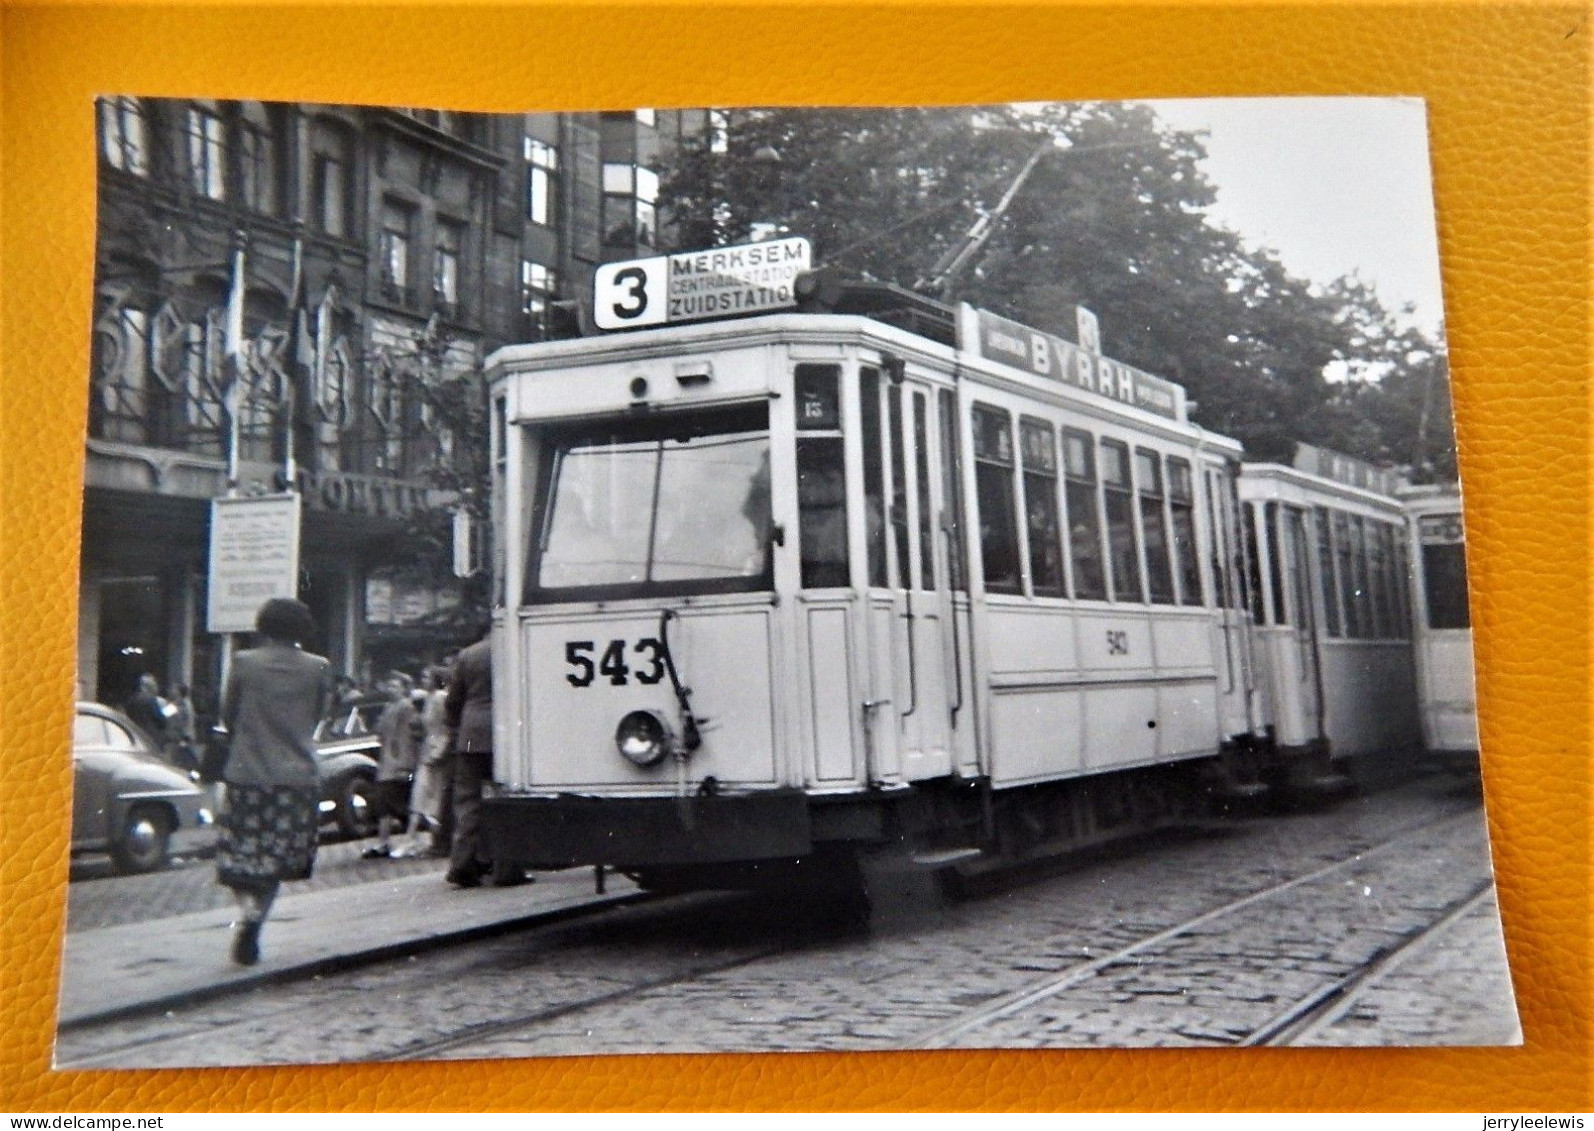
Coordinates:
(268, 834)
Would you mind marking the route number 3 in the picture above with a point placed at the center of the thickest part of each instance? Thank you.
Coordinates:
(627, 295)
(612, 664)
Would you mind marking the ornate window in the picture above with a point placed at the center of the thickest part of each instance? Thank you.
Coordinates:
(385, 403)
(331, 160)
(122, 388)
(258, 160)
(393, 250)
(124, 135)
(207, 151)
(445, 263)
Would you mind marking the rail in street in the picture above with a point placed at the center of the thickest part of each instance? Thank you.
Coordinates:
(1351, 925)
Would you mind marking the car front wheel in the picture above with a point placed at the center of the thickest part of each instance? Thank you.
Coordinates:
(143, 842)
(356, 816)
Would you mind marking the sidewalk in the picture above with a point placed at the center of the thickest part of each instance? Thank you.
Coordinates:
(163, 963)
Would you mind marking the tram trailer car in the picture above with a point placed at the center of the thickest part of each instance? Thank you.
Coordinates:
(1326, 543)
(1442, 624)
(798, 587)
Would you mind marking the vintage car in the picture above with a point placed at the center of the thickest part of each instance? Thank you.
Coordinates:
(129, 801)
(348, 748)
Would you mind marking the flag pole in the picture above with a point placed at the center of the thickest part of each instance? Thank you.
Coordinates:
(234, 348)
(296, 338)
(233, 341)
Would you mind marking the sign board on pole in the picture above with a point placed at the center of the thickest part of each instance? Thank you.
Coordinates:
(254, 556)
(747, 279)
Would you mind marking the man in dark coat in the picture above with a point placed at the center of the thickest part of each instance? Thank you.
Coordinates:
(468, 711)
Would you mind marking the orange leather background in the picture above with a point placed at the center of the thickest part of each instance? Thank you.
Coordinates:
(1507, 88)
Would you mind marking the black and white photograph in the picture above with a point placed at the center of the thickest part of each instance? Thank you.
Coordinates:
(779, 579)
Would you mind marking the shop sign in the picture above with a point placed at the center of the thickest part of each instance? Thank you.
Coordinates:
(350, 493)
(254, 556)
(1013, 343)
(747, 279)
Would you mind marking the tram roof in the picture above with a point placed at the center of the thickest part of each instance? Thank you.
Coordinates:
(1257, 479)
(1057, 369)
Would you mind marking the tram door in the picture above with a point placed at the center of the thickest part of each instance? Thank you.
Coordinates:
(910, 605)
(1299, 574)
(1236, 666)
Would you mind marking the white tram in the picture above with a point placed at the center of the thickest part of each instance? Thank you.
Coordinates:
(1442, 622)
(1327, 549)
(787, 586)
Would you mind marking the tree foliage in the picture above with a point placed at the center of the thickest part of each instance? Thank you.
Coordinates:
(1114, 218)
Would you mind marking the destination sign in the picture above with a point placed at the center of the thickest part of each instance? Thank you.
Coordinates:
(1013, 343)
(747, 279)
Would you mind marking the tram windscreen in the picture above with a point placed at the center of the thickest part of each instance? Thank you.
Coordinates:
(659, 507)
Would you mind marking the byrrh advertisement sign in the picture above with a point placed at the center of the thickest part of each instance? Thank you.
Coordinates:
(254, 556)
(1047, 355)
(747, 279)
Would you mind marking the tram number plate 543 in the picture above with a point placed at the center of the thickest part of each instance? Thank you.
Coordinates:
(587, 665)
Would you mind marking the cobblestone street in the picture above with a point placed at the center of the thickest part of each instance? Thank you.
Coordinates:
(1198, 938)
(99, 898)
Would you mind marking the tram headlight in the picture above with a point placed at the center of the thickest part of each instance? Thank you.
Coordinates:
(643, 738)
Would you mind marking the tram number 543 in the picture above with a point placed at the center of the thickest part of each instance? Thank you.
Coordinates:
(612, 664)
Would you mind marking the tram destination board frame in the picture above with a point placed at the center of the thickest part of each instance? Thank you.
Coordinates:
(1524, 862)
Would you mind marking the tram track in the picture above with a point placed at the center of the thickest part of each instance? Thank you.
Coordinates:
(1291, 1021)
(603, 995)
(1283, 1026)
(1322, 1009)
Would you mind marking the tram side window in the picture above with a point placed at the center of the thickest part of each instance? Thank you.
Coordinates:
(1222, 540)
(1377, 580)
(1358, 561)
(1400, 617)
(1403, 584)
(1444, 579)
(1181, 505)
(993, 488)
(1325, 569)
(1148, 476)
(951, 493)
(899, 488)
(1084, 516)
(1275, 563)
(821, 478)
(1253, 563)
(1344, 552)
(874, 491)
(1038, 453)
(1123, 544)
(921, 470)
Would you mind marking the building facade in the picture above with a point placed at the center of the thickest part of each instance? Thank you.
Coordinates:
(385, 252)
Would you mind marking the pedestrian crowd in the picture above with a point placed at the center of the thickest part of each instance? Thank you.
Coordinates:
(434, 759)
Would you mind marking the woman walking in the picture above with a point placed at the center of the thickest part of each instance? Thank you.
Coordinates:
(275, 695)
(427, 800)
